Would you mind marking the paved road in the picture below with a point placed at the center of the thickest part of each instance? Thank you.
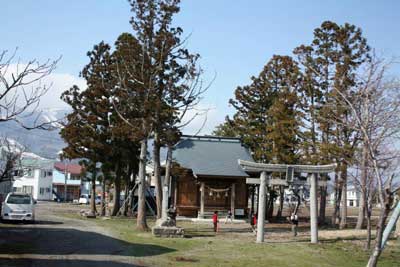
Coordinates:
(59, 241)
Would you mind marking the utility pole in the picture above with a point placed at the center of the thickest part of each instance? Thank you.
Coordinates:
(65, 181)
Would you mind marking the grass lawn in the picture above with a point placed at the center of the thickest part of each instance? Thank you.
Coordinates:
(236, 247)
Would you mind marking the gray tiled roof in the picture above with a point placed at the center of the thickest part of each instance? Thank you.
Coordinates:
(210, 156)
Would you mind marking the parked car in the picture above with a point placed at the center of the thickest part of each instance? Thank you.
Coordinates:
(85, 199)
(19, 207)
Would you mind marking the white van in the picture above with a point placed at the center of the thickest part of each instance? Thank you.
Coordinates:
(85, 199)
(18, 206)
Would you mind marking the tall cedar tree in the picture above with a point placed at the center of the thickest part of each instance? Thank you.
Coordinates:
(226, 129)
(86, 131)
(94, 121)
(267, 119)
(329, 64)
(156, 66)
(133, 98)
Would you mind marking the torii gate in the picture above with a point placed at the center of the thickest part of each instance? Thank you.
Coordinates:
(265, 169)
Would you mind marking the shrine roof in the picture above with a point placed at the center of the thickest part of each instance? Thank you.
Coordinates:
(211, 156)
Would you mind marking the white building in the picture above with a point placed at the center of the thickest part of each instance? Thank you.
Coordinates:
(8, 148)
(35, 176)
(353, 196)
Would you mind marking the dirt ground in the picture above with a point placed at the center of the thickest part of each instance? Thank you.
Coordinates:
(61, 238)
(59, 241)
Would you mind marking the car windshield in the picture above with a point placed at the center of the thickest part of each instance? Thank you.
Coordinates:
(19, 199)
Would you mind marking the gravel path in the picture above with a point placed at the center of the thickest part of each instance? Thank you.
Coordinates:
(59, 241)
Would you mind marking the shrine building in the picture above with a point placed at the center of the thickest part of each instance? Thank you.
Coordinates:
(210, 177)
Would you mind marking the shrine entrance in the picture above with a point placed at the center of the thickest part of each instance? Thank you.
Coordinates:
(291, 179)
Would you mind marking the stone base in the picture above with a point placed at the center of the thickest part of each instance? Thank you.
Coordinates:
(165, 231)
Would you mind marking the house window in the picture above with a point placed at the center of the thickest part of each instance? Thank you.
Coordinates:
(27, 189)
(41, 191)
(47, 189)
(75, 177)
(28, 172)
(351, 203)
(17, 189)
(47, 173)
(18, 173)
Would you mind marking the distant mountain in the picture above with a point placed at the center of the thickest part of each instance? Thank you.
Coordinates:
(43, 143)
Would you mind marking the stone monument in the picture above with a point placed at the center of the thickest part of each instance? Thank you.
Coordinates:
(167, 227)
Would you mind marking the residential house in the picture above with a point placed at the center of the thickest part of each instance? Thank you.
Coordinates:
(67, 176)
(353, 196)
(34, 176)
(71, 176)
(8, 148)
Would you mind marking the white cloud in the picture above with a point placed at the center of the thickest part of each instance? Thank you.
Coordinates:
(208, 116)
(59, 82)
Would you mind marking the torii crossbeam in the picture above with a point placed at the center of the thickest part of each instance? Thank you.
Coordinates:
(263, 169)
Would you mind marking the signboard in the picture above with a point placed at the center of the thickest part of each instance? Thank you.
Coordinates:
(289, 173)
(239, 212)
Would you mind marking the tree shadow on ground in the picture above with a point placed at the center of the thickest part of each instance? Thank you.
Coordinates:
(41, 222)
(60, 263)
(65, 241)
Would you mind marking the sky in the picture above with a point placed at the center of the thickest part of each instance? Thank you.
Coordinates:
(234, 38)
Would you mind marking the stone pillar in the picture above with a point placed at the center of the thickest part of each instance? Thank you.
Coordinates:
(261, 208)
(313, 208)
(233, 197)
(202, 191)
(258, 196)
(165, 194)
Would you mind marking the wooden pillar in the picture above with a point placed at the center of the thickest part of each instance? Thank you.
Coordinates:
(253, 189)
(174, 191)
(313, 208)
(202, 190)
(261, 208)
(233, 197)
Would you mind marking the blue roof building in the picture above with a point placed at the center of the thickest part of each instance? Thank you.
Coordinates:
(209, 176)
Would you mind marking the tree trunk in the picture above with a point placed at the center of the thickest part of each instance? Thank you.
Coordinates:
(363, 189)
(157, 174)
(93, 193)
(128, 185)
(322, 205)
(281, 199)
(103, 197)
(373, 259)
(141, 217)
(397, 231)
(117, 191)
(270, 206)
(125, 205)
(336, 200)
(252, 190)
(343, 211)
(361, 211)
(369, 226)
(167, 182)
